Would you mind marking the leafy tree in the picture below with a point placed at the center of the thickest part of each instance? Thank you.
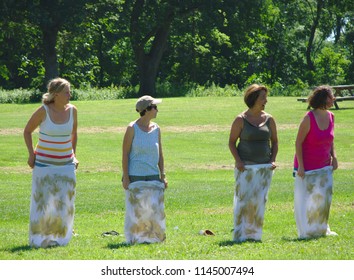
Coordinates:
(96, 51)
(51, 16)
(104, 43)
(150, 24)
(19, 54)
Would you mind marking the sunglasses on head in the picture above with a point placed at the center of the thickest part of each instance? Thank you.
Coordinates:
(149, 108)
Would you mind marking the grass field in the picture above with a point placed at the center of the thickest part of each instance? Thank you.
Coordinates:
(199, 168)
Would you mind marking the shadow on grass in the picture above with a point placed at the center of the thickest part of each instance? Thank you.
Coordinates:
(126, 245)
(233, 243)
(118, 245)
(301, 239)
(22, 248)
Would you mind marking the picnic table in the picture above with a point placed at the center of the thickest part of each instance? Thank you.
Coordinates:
(338, 94)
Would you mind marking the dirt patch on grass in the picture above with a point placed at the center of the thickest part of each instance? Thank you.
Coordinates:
(173, 129)
(218, 211)
(16, 169)
(287, 126)
(11, 131)
(117, 169)
(196, 128)
(101, 129)
(122, 129)
(176, 129)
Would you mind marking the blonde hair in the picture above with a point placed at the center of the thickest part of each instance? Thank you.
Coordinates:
(54, 86)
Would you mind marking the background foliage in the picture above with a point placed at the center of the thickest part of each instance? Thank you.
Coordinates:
(100, 44)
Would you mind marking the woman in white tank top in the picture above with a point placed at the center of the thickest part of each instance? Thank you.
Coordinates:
(144, 179)
(142, 158)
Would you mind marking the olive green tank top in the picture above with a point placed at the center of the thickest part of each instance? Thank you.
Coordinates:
(254, 144)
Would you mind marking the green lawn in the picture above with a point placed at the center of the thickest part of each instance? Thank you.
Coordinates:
(199, 168)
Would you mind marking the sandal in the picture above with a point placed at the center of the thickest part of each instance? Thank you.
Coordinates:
(206, 232)
(110, 233)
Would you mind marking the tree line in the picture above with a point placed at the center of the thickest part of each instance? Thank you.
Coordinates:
(129, 43)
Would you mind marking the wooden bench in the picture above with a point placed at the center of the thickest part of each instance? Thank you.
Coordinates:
(338, 94)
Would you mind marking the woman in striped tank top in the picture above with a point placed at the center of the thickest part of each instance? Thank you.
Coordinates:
(53, 162)
(143, 176)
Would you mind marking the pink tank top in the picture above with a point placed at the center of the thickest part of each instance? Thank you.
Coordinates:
(316, 148)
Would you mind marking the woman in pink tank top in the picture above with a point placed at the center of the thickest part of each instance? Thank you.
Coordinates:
(314, 141)
(314, 162)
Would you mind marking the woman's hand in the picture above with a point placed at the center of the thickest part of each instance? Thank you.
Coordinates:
(164, 180)
(240, 166)
(273, 165)
(125, 182)
(31, 160)
(301, 172)
(334, 163)
(76, 162)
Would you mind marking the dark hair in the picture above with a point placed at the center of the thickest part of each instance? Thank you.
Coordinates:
(142, 113)
(148, 108)
(252, 93)
(318, 98)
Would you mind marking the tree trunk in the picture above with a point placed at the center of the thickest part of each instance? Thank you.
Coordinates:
(147, 68)
(50, 54)
(338, 29)
(148, 61)
(100, 60)
(310, 64)
(148, 64)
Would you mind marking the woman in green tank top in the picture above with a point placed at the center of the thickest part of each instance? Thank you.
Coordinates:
(255, 130)
(256, 134)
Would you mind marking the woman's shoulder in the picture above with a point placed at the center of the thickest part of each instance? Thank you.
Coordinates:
(242, 115)
(131, 124)
(39, 115)
(267, 115)
(239, 119)
(130, 128)
(331, 116)
(43, 107)
(155, 125)
(41, 110)
(72, 106)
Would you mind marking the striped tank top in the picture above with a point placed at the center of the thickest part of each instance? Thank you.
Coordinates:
(54, 146)
(144, 154)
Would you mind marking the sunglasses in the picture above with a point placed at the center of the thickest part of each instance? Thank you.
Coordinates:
(151, 107)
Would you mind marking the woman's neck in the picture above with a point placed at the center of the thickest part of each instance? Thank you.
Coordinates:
(322, 112)
(59, 108)
(254, 112)
(144, 122)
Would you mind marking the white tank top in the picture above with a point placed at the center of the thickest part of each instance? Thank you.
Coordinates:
(144, 154)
